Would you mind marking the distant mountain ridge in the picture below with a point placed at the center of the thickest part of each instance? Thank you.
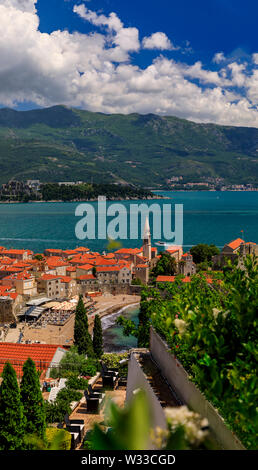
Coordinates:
(66, 144)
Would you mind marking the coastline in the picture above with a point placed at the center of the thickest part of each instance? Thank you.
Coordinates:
(149, 198)
(110, 311)
(54, 334)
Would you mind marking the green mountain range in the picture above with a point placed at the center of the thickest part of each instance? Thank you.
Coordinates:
(64, 144)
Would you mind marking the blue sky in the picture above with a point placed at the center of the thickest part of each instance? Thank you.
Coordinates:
(193, 59)
(210, 26)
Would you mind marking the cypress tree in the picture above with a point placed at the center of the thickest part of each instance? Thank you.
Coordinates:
(32, 400)
(82, 337)
(12, 421)
(97, 337)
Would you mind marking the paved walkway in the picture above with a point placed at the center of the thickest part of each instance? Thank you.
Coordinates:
(118, 396)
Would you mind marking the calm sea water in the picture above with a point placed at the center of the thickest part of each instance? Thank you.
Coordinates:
(209, 217)
(113, 338)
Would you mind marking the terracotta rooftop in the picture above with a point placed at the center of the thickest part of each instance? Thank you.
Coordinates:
(235, 243)
(86, 267)
(132, 251)
(12, 295)
(171, 279)
(17, 354)
(82, 248)
(66, 279)
(56, 261)
(16, 252)
(48, 277)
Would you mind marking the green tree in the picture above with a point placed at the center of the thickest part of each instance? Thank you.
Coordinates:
(97, 337)
(166, 266)
(32, 400)
(203, 252)
(12, 422)
(82, 337)
(94, 271)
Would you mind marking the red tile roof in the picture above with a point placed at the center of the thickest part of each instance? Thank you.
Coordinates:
(132, 251)
(6, 261)
(16, 252)
(17, 354)
(20, 276)
(10, 269)
(86, 267)
(66, 279)
(102, 261)
(56, 261)
(48, 277)
(82, 248)
(235, 243)
(165, 278)
(171, 279)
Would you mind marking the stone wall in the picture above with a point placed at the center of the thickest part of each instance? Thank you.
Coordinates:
(115, 289)
(6, 310)
(136, 379)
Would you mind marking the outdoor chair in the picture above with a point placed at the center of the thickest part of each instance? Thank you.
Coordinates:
(95, 393)
(76, 428)
(93, 401)
(110, 377)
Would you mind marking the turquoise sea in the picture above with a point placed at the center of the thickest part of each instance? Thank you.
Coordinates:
(209, 217)
(113, 338)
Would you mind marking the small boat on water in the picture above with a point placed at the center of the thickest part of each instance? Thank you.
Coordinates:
(161, 243)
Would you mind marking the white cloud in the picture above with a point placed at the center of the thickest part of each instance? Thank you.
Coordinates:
(219, 57)
(157, 41)
(95, 71)
(126, 39)
(22, 5)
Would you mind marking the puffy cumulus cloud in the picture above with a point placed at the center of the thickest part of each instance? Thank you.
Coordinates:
(127, 39)
(218, 58)
(22, 5)
(158, 41)
(95, 71)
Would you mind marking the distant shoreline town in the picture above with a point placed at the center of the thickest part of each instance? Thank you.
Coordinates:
(178, 183)
(69, 191)
(78, 191)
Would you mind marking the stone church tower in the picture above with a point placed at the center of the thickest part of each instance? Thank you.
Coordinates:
(147, 240)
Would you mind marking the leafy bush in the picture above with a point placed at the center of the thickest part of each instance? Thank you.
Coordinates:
(74, 363)
(68, 395)
(112, 360)
(87, 443)
(76, 383)
(59, 438)
(56, 411)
